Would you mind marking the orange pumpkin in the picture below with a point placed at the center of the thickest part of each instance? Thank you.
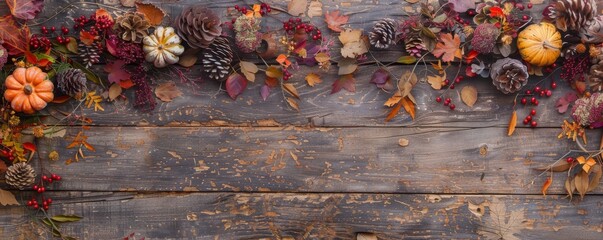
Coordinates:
(28, 89)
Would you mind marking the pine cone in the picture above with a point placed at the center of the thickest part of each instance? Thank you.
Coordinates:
(217, 58)
(20, 175)
(595, 75)
(71, 81)
(572, 15)
(89, 54)
(132, 27)
(414, 44)
(509, 75)
(248, 36)
(383, 34)
(593, 32)
(198, 26)
(3, 56)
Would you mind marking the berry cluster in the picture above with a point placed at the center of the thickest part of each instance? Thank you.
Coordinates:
(530, 119)
(447, 102)
(286, 74)
(9, 154)
(538, 91)
(43, 41)
(451, 85)
(295, 25)
(97, 24)
(46, 179)
(574, 67)
(264, 8)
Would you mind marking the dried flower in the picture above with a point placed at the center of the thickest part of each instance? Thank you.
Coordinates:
(14, 120)
(38, 131)
(248, 36)
(506, 39)
(132, 26)
(129, 52)
(53, 155)
(588, 111)
(484, 38)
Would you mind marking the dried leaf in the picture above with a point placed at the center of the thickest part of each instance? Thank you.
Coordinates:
(249, 69)
(347, 66)
(116, 71)
(407, 81)
(436, 82)
(353, 42)
(393, 100)
(448, 47)
(559, 166)
(315, 9)
(289, 88)
(462, 5)
(582, 182)
(282, 59)
(312, 79)
(265, 92)
(297, 7)
(7, 198)
(469, 95)
(274, 72)
(25, 9)
(570, 187)
(366, 236)
(501, 223)
(16, 40)
(546, 185)
(334, 20)
(167, 91)
(152, 13)
(235, 85)
(66, 218)
(293, 103)
(594, 181)
(346, 82)
(412, 1)
(3, 167)
(189, 57)
(563, 103)
(394, 111)
(114, 91)
(409, 106)
(403, 142)
(102, 12)
(512, 123)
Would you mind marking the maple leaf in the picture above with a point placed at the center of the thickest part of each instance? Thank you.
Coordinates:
(116, 71)
(448, 47)
(334, 20)
(25, 9)
(502, 224)
(346, 82)
(16, 40)
(313, 79)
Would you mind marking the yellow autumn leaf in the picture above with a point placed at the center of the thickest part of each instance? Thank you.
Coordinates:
(436, 81)
(313, 79)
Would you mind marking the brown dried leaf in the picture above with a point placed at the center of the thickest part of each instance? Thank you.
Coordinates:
(293, 103)
(409, 106)
(469, 95)
(594, 181)
(189, 57)
(502, 223)
(582, 182)
(114, 91)
(366, 236)
(167, 91)
(394, 111)
(334, 20)
(436, 81)
(393, 100)
(546, 185)
(7, 198)
(274, 72)
(347, 66)
(313, 79)
(152, 13)
(354, 44)
(315, 9)
(570, 187)
(448, 47)
(412, 1)
(297, 7)
(3, 167)
(512, 123)
(406, 83)
(289, 88)
(249, 69)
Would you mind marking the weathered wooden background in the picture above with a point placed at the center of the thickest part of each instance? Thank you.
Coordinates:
(207, 167)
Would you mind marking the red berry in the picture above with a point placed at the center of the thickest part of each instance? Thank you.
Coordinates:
(524, 101)
(45, 178)
(529, 118)
(553, 85)
(448, 100)
(526, 121)
(438, 99)
(457, 80)
(525, 17)
(569, 159)
(452, 86)
(528, 92)
(36, 206)
(41, 190)
(46, 207)
(533, 100)
(452, 107)
(30, 203)
(537, 89)
(35, 187)
(49, 200)
(533, 112)
(534, 124)
(236, 7)
(549, 93)
(52, 29)
(530, 5)
(446, 103)
(535, 103)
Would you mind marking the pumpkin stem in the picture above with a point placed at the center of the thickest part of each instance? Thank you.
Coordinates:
(546, 44)
(27, 89)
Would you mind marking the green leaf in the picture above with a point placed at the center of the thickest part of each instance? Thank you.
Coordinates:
(45, 56)
(66, 218)
(440, 18)
(407, 60)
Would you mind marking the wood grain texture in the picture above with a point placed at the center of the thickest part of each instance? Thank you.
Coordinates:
(317, 216)
(290, 159)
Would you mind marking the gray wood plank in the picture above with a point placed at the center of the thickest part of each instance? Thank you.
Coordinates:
(293, 159)
(317, 216)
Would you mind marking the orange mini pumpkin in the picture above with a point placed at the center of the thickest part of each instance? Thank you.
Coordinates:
(28, 89)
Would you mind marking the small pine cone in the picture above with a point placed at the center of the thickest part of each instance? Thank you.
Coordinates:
(414, 45)
(198, 26)
(217, 58)
(571, 15)
(248, 36)
(72, 81)
(509, 75)
(3, 56)
(20, 175)
(89, 54)
(383, 34)
(593, 32)
(132, 27)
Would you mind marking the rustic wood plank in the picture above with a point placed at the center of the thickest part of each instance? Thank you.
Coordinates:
(316, 216)
(290, 159)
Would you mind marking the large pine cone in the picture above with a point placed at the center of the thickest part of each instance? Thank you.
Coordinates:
(383, 34)
(217, 58)
(132, 27)
(198, 26)
(595, 75)
(72, 81)
(593, 32)
(3, 56)
(20, 175)
(571, 15)
(509, 75)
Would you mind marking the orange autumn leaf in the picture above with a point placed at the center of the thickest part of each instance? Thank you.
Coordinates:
(282, 59)
(334, 20)
(255, 11)
(152, 13)
(103, 12)
(546, 185)
(512, 124)
(87, 38)
(496, 12)
(409, 106)
(125, 84)
(394, 111)
(448, 47)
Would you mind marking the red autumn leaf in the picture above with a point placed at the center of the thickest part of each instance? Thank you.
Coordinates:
(472, 55)
(448, 47)
(116, 71)
(346, 82)
(469, 72)
(87, 38)
(271, 82)
(235, 85)
(29, 146)
(334, 20)
(563, 103)
(31, 58)
(125, 84)
(496, 12)
(25, 9)
(16, 40)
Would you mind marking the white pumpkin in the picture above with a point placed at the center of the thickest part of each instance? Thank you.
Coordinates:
(163, 47)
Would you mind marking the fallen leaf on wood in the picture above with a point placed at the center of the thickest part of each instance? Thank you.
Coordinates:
(501, 223)
(297, 7)
(403, 142)
(3, 167)
(354, 43)
(570, 187)
(315, 9)
(436, 82)
(594, 181)
(563, 103)
(152, 13)
(274, 72)
(167, 91)
(116, 71)
(66, 218)
(409, 106)
(289, 88)
(346, 82)
(412, 1)
(334, 20)
(347, 66)
(249, 69)
(235, 85)
(114, 91)
(312, 79)
(189, 57)
(546, 185)
(393, 100)
(265, 92)
(407, 60)
(127, 3)
(366, 236)
(512, 124)
(469, 95)
(407, 81)
(582, 182)
(462, 5)
(16, 40)
(293, 103)
(7, 198)
(102, 12)
(395, 110)
(559, 166)
(448, 47)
